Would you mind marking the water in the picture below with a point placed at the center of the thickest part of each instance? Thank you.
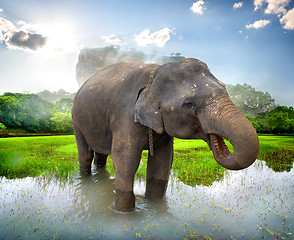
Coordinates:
(253, 203)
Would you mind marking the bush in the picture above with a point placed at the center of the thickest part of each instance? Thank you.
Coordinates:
(2, 126)
(278, 120)
(62, 122)
(31, 113)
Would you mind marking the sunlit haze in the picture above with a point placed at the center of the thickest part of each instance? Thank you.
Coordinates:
(241, 41)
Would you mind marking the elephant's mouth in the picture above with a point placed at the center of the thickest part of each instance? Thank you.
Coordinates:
(219, 149)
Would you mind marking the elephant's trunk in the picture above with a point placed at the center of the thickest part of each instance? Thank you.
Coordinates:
(221, 119)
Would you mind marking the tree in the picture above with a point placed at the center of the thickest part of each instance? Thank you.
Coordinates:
(248, 100)
(62, 122)
(30, 112)
(8, 106)
(55, 96)
(63, 105)
(258, 124)
(26, 111)
(280, 120)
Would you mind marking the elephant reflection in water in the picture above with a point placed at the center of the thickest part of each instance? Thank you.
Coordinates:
(94, 199)
(94, 194)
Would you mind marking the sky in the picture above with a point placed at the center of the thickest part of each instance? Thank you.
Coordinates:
(240, 41)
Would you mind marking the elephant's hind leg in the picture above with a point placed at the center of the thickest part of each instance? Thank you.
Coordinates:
(85, 152)
(100, 160)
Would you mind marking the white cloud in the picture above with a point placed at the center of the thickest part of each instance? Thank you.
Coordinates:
(52, 38)
(112, 39)
(258, 24)
(1, 10)
(238, 5)
(258, 4)
(6, 27)
(18, 38)
(278, 7)
(288, 20)
(28, 27)
(158, 38)
(198, 8)
(273, 6)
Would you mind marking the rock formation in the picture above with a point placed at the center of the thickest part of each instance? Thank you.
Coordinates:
(93, 59)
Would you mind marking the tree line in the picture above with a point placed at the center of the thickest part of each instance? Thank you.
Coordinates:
(261, 110)
(51, 112)
(31, 113)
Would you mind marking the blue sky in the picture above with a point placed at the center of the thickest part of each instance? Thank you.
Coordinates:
(241, 41)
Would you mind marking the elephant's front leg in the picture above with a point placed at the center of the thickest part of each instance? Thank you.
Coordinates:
(126, 157)
(158, 169)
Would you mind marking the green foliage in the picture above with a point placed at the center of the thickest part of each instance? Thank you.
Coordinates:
(258, 124)
(63, 105)
(2, 126)
(26, 111)
(62, 122)
(248, 100)
(278, 120)
(261, 110)
(31, 113)
(8, 105)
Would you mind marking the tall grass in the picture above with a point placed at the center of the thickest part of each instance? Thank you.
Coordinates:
(277, 151)
(193, 161)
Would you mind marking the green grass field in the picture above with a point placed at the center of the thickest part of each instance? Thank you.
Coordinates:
(193, 161)
(33, 156)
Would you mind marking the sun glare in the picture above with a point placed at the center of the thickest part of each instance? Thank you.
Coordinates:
(60, 38)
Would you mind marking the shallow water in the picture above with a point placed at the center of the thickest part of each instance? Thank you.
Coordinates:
(253, 203)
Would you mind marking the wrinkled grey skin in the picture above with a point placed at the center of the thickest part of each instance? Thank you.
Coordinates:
(114, 109)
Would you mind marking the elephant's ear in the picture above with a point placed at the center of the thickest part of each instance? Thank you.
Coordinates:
(147, 114)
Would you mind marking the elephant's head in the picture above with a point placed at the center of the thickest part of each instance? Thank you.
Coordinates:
(186, 101)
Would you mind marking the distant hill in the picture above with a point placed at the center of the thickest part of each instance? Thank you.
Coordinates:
(93, 59)
(54, 97)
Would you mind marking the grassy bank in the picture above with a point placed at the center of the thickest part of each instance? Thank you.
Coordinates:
(193, 161)
(33, 156)
(277, 151)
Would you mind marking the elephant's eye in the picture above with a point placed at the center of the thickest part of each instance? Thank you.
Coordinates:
(188, 104)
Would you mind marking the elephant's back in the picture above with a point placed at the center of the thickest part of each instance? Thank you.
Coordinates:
(108, 98)
(120, 82)
(109, 76)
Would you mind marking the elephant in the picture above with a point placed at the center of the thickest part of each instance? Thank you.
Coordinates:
(126, 108)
